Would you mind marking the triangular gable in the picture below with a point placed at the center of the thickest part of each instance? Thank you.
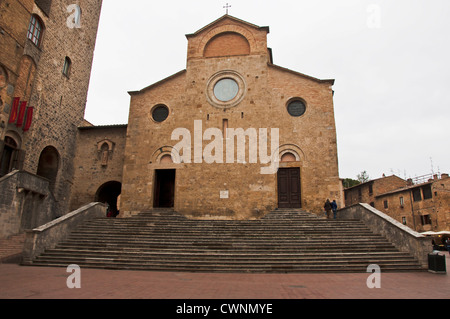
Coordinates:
(157, 83)
(330, 81)
(224, 17)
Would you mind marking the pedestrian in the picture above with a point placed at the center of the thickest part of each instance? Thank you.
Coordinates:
(447, 242)
(109, 212)
(327, 208)
(334, 208)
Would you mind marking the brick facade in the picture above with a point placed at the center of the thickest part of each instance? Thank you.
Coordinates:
(366, 192)
(46, 52)
(36, 60)
(60, 100)
(98, 162)
(230, 48)
(14, 21)
(422, 207)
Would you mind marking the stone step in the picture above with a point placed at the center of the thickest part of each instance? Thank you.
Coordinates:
(189, 235)
(282, 241)
(332, 266)
(220, 255)
(230, 262)
(321, 240)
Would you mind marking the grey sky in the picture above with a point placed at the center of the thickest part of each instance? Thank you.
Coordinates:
(390, 60)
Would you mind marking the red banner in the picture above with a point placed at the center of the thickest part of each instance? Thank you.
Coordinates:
(23, 107)
(14, 110)
(28, 118)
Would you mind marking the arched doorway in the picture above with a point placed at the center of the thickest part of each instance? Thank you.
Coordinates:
(108, 193)
(8, 156)
(49, 165)
(289, 183)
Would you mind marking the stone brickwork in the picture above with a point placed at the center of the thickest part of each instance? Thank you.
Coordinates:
(25, 202)
(231, 190)
(59, 99)
(422, 207)
(98, 161)
(46, 52)
(404, 238)
(14, 20)
(367, 192)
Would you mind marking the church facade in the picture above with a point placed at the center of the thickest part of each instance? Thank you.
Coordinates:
(233, 136)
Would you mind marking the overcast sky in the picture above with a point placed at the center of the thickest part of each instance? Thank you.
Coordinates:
(390, 61)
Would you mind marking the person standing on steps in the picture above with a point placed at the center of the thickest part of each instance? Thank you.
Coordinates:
(334, 208)
(327, 208)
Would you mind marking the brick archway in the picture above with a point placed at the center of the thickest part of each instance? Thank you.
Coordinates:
(48, 166)
(108, 193)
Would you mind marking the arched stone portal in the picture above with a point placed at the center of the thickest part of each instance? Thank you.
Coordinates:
(108, 193)
(49, 165)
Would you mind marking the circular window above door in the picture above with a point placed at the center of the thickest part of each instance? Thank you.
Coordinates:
(225, 89)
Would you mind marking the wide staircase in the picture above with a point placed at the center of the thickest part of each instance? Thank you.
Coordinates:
(282, 241)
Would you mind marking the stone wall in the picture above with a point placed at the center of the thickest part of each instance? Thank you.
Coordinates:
(25, 202)
(48, 235)
(403, 237)
(367, 192)
(99, 160)
(14, 21)
(231, 190)
(60, 99)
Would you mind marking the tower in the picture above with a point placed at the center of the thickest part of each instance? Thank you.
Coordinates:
(49, 69)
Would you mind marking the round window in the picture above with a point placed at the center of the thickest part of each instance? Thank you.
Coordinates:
(160, 113)
(296, 108)
(226, 89)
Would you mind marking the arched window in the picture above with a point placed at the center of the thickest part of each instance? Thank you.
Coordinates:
(288, 157)
(227, 44)
(67, 66)
(35, 30)
(166, 159)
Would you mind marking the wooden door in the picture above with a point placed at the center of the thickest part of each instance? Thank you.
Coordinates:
(289, 191)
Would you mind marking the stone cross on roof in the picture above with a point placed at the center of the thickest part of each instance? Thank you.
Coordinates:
(227, 6)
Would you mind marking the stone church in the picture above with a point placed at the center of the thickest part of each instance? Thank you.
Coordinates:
(232, 136)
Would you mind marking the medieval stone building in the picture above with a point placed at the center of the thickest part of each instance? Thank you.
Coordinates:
(208, 140)
(46, 53)
(422, 204)
(231, 136)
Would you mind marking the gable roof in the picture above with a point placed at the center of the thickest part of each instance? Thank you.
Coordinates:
(157, 83)
(227, 16)
(330, 81)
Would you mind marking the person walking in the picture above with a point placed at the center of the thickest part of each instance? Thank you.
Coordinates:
(334, 208)
(327, 208)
